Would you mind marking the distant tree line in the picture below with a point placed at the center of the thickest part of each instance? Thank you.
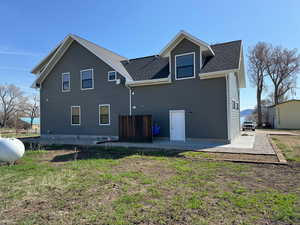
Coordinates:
(15, 104)
(278, 65)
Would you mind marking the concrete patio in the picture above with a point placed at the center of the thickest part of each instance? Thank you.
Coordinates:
(254, 144)
(248, 143)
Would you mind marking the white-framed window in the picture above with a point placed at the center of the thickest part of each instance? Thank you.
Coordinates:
(112, 75)
(66, 82)
(87, 79)
(75, 115)
(185, 66)
(233, 104)
(104, 114)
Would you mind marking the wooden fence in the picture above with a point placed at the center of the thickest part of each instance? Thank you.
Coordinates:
(136, 128)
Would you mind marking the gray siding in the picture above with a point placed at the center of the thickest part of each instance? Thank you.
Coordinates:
(55, 104)
(234, 120)
(204, 101)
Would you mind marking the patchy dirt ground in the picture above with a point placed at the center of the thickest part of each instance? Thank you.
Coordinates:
(130, 186)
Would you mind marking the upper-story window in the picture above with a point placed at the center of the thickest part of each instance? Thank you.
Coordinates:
(112, 75)
(66, 82)
(185, 66)
(87, 79)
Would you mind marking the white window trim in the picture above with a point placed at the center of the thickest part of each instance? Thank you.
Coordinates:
(62, 82)
(115, 75)
(101, 124)
(200, 54)
(233, 104)
(92, 79)
(76, 106)
(175, 67)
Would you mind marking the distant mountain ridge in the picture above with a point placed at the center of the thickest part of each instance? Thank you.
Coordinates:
(246, 112)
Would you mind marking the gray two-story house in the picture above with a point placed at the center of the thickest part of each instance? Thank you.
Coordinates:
(190, 88)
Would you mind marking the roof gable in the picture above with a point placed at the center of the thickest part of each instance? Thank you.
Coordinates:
(47, 64)
(179, 37)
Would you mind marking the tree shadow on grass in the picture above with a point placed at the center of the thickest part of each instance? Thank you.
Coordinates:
(85, 153)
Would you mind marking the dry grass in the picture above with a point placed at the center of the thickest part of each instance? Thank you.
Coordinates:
(128, 186)
(11, 133)
(289, 145)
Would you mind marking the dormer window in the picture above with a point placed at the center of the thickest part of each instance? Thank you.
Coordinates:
(185, 66)
(112, 75)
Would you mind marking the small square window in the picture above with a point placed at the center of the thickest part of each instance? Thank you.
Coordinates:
(87, 79)
(66, 84)
(104, 114)
(112, 75)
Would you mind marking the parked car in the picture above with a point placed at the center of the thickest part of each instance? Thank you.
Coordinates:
(248, 125)
(267, 125)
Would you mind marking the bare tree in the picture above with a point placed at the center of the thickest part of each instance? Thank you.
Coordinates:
(257, 57)
(282, 98)
(265, 103)
(11, 101)
(282, 68)
(32, 108)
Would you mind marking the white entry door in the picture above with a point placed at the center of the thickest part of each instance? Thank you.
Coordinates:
(177, 125)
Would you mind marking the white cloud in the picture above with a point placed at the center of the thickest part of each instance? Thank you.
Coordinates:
(14, 68)
(6, 51)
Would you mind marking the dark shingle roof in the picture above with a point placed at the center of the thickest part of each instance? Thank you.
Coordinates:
(226, 57)
(146, 68)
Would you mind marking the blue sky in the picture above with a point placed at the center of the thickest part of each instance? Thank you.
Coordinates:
(134, 28)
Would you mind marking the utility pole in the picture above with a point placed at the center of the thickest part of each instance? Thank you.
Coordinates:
(16, 122)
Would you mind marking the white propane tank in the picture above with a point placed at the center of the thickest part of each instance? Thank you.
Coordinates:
(11, 149)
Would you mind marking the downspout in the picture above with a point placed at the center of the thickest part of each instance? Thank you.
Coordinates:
(129, 88)
(228, 109)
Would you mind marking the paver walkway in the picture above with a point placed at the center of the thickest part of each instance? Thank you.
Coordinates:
(262, 144)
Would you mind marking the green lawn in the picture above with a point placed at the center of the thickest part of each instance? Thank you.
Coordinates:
(125, 186)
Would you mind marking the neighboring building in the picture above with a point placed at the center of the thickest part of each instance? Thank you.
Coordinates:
(35, 122)
(285, 115)
(190, 88)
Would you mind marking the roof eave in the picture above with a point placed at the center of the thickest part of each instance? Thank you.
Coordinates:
(242, 72)
(216, 74)
(43, 62)
(180, 36)
(166, 80)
